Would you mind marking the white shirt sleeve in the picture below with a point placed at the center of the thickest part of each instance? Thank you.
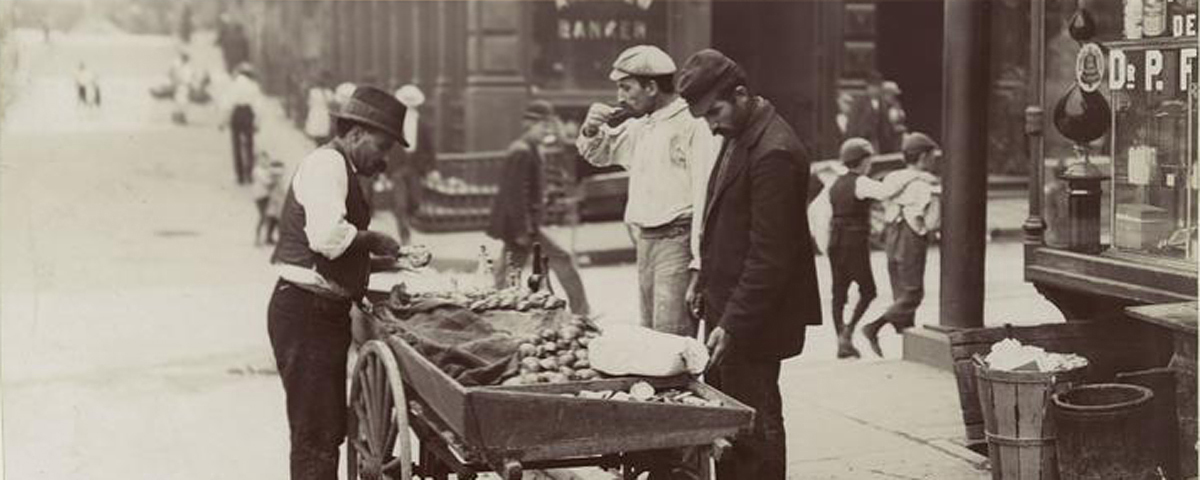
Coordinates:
(703, 155)
(321, 185)
(867, 187)
(610, 145)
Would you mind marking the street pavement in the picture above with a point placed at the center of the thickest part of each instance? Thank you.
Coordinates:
(133, 301)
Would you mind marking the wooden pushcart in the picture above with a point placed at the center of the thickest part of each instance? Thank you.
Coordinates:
(509, 429)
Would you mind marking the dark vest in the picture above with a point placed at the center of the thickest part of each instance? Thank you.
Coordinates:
(849, 211)
(351, 269)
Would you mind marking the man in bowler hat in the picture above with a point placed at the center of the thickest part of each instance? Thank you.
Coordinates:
(324, 257)
(758, 284)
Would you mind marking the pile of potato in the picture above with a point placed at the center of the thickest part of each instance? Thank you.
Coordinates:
(644, 392)
(516, 298)
(556, 356)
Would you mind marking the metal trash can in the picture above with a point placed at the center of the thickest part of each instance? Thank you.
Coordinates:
(1105, 432)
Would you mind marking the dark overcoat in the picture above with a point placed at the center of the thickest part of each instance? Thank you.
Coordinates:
(758, 274)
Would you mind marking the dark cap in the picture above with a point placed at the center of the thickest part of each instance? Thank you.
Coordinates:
(917, 141)
(376, 108)
(705, 75)
(854, 150)
(538, 110)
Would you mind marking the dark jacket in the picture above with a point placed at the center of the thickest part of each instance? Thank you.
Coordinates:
(406, 170)
(757, 272)
(515, 206)
(872, 124)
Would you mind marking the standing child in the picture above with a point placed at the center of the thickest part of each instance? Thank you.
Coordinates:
(269, 191)
(850, 231)
(910, 216)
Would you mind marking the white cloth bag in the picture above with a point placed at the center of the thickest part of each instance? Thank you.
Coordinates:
(635, 350)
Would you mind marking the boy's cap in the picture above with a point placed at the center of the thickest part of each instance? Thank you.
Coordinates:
(854, 150)
(918, 141)
(705, 75)
(642, 61)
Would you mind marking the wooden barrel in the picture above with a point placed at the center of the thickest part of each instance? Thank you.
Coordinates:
(1017, 421)
(1106, 432)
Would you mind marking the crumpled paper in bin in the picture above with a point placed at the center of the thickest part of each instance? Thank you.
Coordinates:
(1011, 355)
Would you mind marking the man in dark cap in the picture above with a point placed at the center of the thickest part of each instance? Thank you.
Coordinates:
(520, 205)
(324, 258)
(758, 284)
(911, 215)
(869, 117)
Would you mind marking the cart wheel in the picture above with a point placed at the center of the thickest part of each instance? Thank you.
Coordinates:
(377, 439)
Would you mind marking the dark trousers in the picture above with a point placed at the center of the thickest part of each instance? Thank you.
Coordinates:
(310, 336)
(906, 252)
(761, 455)
(242, 135)
(561, 263)
(850, 262)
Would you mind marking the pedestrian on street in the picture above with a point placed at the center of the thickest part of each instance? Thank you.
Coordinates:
(318, 125)
(243, 108)
(87, 87)
(850, 236)
(758, 284)
(911, 215)
(233, 41)
(183, 76)
(669, 156)
(408, 166)
(896, 116)
(520, 206)
(869, 117)
(324, 261)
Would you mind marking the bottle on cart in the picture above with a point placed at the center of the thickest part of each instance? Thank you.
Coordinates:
(535, 278)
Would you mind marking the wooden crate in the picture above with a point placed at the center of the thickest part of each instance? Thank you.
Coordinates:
(1109, 346)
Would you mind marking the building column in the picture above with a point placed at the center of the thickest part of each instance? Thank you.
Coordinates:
(964, 200)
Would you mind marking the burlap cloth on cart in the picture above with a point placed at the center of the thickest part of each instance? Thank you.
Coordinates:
(473, 348)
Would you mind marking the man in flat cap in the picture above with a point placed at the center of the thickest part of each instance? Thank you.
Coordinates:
(911, 215)
(528, 184)
(850, 197)
(324, 258)
(669, 155)
(758, 282)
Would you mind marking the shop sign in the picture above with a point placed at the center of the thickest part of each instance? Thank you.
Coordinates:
(1152, 70)
(576, 41)
(1089, 67)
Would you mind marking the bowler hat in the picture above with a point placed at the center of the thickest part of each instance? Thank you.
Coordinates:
(374, 107)
(538, 110)
(705, 75)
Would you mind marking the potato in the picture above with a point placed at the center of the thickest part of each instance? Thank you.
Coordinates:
(568, 371)
(523, 306)
(587, 374)
(566, 358)
(564, 344)
(548, 364)
(555, 377)
(527, 350)
(514, 380)
(549, 348)
(568, 333)
(548, 334)
(584, 341)
(531, 364)
(582, 364)
(529, 378)
(581, 353)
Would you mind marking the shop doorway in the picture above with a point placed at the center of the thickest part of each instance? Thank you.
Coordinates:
(909, 52)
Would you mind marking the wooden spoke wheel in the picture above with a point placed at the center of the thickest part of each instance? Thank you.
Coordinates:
(378, 446)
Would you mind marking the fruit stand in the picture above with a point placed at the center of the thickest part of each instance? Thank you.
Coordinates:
(558, 417)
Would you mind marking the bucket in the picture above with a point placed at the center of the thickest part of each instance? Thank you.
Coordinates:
(1017, 422)
(1105, 432)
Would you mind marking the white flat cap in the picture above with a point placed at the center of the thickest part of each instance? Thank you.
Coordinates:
(642, 60)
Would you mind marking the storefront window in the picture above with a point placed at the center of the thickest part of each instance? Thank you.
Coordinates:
(1148, 60)
(576, 41)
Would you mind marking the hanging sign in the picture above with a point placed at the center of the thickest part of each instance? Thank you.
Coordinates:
(1089, 67)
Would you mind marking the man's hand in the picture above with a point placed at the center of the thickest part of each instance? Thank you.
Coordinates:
(718, 345)
(379, 244)
(597, 114)
(694, 299)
